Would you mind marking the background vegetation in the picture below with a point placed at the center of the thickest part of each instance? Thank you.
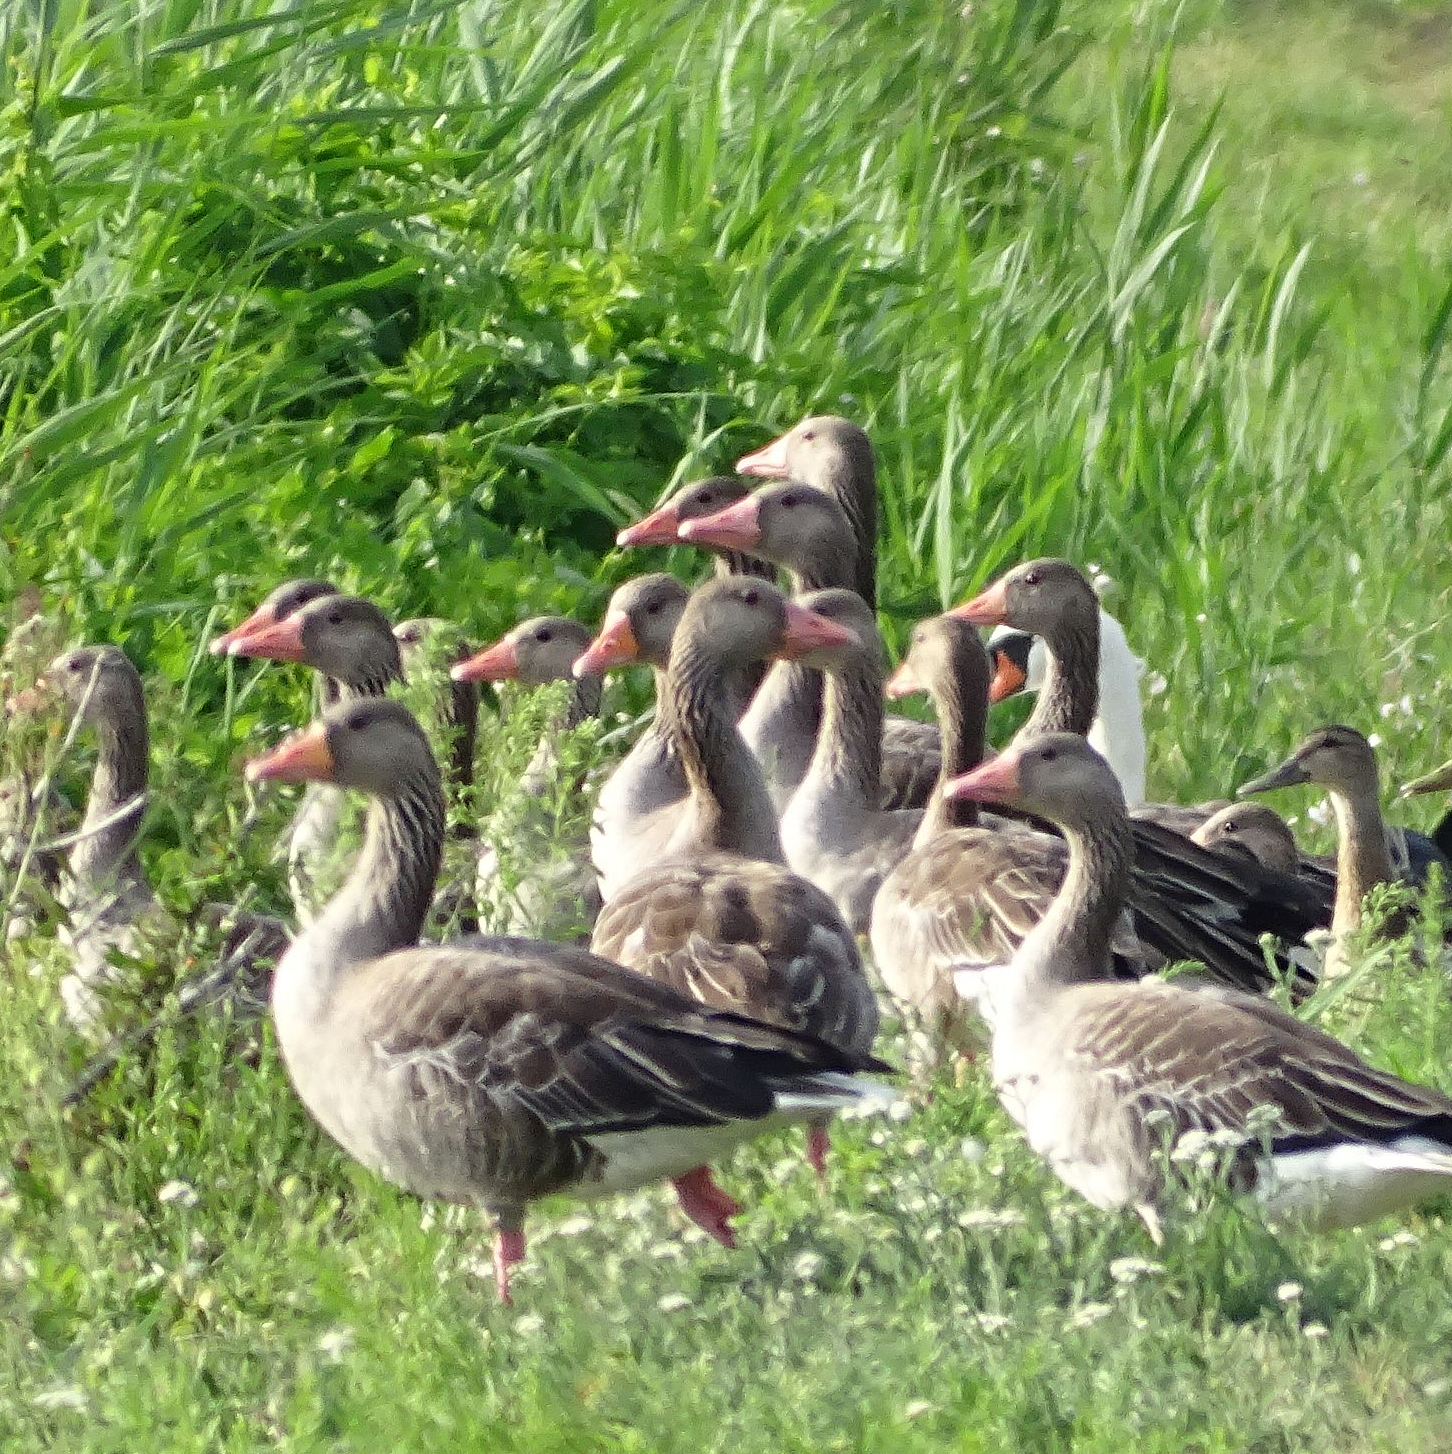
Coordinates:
(430, 298)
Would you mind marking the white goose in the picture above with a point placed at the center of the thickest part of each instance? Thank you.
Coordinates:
(1099, 1073)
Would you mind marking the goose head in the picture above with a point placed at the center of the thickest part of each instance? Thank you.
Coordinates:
(98, 681)
(1041, 597)
(640, 623)
(372, 745)
(690, 502)
(942, 650)
(790, 524)
(813, 452)
(1056, 775)
(343, 637)
(741, 620)
(851, 612)
(1251, 828)
(536, 652)
(280, 603)
(1338, 758)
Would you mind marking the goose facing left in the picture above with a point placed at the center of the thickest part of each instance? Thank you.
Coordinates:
(1098, 1074)
(496, 1071)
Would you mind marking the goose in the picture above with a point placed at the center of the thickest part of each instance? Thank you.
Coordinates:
(1224, 903)
(277, 605)
(809, 532)
(1437, 781)
(1342, 761)
(692, 502)
(722, 918)
(112, 910)
(1020, 664)
(962, 900)
(1250, 828)
(1101, 1075)
(834, 831)
(556, 896)
(643, 800)
(496, 1071)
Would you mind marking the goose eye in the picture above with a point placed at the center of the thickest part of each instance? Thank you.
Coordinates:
(810, 435)
(1032, 578)
(788, 502)
(751, 597)
(543, 635)
(653, 608)
(74, 666)
(1049, 754)
(1230, 826)
(335, 618)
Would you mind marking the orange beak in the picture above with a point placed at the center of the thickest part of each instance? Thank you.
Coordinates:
(614, 646)
(902, 683)
(988, 608)
(807, 632)
(279, 641)
(497, 663)
(769, 462)
(737, 527)
(222, 645)
(989, 782)
(657, 528)
(1008, 677)
(305, 757)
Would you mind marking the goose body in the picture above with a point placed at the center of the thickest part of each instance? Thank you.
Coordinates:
(1099, 1075)
(495, 1071)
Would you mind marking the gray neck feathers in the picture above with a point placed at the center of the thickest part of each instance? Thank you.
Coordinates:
(106, 851)
(962, 711)
(1069, 698)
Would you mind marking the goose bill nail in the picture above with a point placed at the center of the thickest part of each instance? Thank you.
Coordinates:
(902, 683)
(657, 528)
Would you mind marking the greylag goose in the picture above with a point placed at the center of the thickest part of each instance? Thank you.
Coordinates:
(1102, 1076)
(643, 800)
(809, 532)
(1342, 761)
(112, 911)
(494, 1072)
(692, 502)
(962, 900)
(544, 883)
(1208, 907)
(723, 919)
(834, 831)
(276, 606)
(1251, 828)
(1020, 664)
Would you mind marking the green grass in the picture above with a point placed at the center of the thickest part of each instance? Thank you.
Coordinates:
(431, 298)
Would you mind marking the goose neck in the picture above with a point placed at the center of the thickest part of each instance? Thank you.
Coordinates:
(1363, 857)
(847, 762)
(107, 846)
(1069, 698)
(962, 727)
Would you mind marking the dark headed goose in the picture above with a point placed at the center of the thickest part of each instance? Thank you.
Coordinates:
(808, 532)
(723, 919)
(1343, 762)
(1102, 1075)
(494, 1072)
(1207, 907)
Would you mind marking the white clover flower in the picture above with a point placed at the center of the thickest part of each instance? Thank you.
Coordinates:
(181, 1192)
(1288, 1292)
(807, 1265)
(1131, 1269)
(1089, 1314)
(1315, 1330)
(673, 1302)
(335, 1343)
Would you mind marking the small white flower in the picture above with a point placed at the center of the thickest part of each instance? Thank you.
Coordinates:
(1359, 179)
(990, 1219)
(1288, 1292)
(991, 1322)
(1157, 684)
(573, 1226)
(1404, 1238)
(1131, 1269)
(673, 1302)
(899, 1110)
(1319, 813)
(1315, 1330)
(917, 1408)
(529, 1325)
(1090, 1314)
(181, 1192)
(1373, 739)
(1386, 709)
(335, 1343)
(807, 1266)
(994, 132)
(970, 1148)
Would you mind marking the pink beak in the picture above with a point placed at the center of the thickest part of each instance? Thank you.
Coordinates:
(807, 632)
(222, 645)
(278, 641)
(989, 782)
(769, 462)
(657, 528)
(902, 683)
(988, 608)
(737, 527)
(497, 663)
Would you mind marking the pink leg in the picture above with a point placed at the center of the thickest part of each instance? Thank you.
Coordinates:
(707, 1205)
(817, 1144)
(508, 1249)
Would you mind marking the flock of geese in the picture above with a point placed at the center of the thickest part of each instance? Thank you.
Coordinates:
(767, 820)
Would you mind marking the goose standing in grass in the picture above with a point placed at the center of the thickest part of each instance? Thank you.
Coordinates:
(643, 800)
(544, 884)
(497, 1071)
(722, 918)
(834, 830)
(1206, 907)
(1101, 1076)
(1020, 664)
(112, 911)
(809, 533)
(962, 900)
(1342, 761)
